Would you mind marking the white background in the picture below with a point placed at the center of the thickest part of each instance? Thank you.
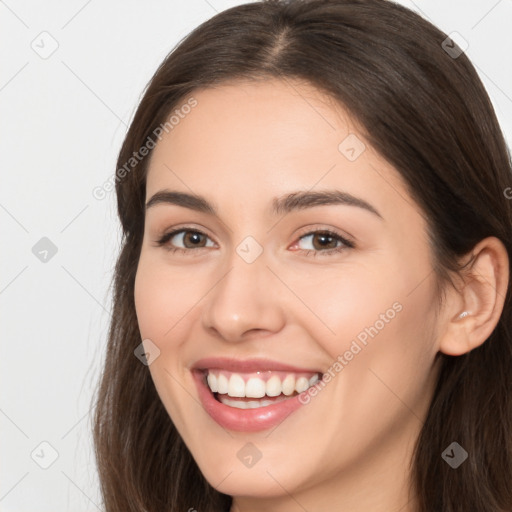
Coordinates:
(63, 119)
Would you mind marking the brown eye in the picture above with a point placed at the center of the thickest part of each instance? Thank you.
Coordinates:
(193, 239)
(319, 240)
(324, 241)
(183, 239)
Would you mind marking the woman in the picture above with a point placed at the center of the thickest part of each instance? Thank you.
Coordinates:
(312, 306)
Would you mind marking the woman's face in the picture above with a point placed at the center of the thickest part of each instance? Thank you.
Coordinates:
(304, 256)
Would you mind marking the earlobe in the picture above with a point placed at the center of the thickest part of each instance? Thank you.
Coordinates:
(481, 298)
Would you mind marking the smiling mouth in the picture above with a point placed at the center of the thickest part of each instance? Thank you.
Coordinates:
(257, 389)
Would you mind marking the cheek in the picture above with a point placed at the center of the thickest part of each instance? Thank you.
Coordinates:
(343, 301)
(162, 297)
(373, 317)
(163, 303)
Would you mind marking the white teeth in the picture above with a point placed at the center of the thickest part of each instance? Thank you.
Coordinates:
(288, 385)
(252, 404)
(273, 386)
(212, 382)
(222, 384)
(255, 388)
(301, 384)
(236, 386)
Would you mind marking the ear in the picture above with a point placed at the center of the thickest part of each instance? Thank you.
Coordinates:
(482, 294)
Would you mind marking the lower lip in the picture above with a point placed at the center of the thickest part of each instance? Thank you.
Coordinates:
(244, 420)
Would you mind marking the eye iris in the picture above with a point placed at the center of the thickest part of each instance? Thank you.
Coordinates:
(194, 238)
(326, 241)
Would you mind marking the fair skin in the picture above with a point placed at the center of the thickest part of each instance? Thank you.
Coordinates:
(349, 448)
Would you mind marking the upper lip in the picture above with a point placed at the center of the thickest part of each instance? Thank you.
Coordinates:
(248, 365)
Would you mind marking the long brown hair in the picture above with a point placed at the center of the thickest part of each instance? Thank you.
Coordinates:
(429, 115)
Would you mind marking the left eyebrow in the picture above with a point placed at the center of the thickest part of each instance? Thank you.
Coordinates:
(302, 200)
(284, 204)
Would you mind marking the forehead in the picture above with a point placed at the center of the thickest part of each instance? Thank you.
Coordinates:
(242, 116)
(261, 139)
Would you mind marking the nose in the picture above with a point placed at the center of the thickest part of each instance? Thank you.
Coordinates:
(244, 302)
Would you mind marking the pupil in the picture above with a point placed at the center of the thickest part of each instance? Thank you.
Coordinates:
(194, 238)
(325, 240)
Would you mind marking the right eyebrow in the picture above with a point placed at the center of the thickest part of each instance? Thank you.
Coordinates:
(192, 201)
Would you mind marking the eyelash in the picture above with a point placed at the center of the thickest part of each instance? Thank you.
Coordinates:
(347, 244)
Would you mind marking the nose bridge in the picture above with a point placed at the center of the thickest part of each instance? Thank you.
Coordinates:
(242, 300)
